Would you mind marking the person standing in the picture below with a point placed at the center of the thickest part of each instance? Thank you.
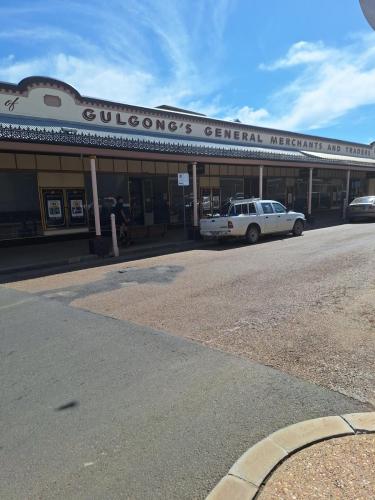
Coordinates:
(122, 221)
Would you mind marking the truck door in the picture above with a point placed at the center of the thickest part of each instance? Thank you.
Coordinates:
(283, 220)
(267, 218)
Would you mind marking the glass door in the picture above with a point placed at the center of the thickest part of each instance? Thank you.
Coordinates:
(148, 202)
(136, 200)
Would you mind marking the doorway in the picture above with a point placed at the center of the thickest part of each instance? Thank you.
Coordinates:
(141, 195)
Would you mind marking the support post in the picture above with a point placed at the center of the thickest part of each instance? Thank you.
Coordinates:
(346, 201)
(260, 181)
(195, 195)
(116, 252)
(183, 198)
(309, 199)
(98, 231)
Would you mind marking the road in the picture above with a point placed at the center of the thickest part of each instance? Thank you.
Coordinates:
(148, 379)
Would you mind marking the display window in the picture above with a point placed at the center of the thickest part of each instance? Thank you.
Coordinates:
(63, 208)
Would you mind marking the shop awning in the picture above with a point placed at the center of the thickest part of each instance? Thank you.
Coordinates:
(341, 158)
(71, 134)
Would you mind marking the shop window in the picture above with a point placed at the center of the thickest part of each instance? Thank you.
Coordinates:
(276, 189)
(161, 207)
(231, 188)
(110, 186)
(19, 205)
(177, 202)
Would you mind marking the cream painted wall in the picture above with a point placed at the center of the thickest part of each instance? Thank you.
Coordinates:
(122, 117)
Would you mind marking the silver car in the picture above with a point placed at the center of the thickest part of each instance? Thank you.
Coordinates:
(361, 209)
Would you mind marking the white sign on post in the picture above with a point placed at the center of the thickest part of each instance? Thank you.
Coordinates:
(183, 179)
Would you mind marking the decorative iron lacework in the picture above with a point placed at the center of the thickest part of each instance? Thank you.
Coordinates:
(64, 137)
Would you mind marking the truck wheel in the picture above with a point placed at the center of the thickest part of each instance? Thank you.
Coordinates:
(298, 228)
(252, 235)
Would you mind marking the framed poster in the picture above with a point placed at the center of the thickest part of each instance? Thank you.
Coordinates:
(76, 201)
(53, 208)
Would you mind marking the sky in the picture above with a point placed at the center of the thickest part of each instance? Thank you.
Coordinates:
(297, 65)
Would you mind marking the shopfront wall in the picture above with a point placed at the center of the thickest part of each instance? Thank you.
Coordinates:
(43, 194)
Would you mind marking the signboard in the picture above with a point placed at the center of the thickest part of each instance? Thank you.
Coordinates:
(183, 179)
(77, 109)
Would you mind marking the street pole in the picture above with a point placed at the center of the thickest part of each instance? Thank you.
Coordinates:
(116, 252)
(260, 181)
(98, 231)
(309, 200)
(346, 201)
(195, 195)
(183, 198)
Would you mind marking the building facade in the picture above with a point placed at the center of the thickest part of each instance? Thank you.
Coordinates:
(52, 138)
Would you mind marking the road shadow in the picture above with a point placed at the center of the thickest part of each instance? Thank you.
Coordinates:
(115, 280)
(67, 406)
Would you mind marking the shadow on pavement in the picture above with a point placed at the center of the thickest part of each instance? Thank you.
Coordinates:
(147, 251)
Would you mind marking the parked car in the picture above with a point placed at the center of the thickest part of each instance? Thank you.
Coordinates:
(361, 209)
(252, 218)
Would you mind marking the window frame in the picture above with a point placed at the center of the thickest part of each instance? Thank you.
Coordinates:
(262, 203)
(277, 203)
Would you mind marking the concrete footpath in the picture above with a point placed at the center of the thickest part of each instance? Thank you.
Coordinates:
(329, 457)
(75, 253)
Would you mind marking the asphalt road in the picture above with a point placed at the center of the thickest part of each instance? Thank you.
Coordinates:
(97, 402)
(93, 407)
(303, 305)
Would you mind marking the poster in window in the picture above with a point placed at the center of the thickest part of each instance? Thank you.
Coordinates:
(54, 212)
(76, 199)
(54, 209)
(76, 208)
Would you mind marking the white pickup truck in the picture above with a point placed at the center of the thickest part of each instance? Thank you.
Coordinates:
(252, 218)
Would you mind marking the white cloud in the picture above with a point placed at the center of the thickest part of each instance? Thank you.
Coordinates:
(248, 115)
(147, 53)
(301, 53)
(156, 52)
(331, 83)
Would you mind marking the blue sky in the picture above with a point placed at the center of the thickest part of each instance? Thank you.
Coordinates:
(298, 65)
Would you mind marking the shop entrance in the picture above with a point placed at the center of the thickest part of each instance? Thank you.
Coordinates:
(141, 192)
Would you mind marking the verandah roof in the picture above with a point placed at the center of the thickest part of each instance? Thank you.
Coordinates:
(69, 134)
